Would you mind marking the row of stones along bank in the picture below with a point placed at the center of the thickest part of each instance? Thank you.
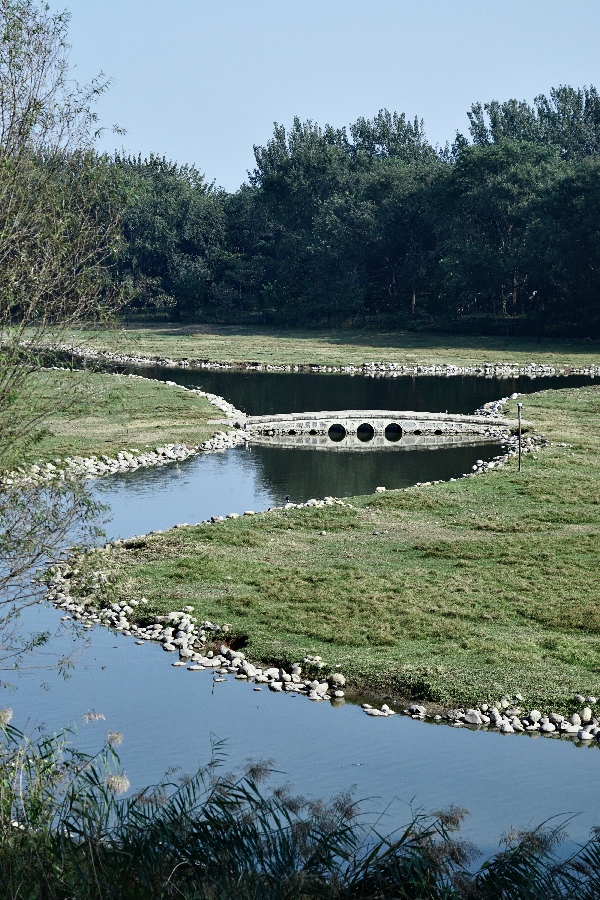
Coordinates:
(373, 369)
(128, 460)
(180, 632)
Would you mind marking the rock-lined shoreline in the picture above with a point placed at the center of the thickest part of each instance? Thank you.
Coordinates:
(129, 460)
(180, 632)
(490, 370)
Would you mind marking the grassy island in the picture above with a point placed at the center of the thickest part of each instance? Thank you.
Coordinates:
(103, 414)
(451, 592)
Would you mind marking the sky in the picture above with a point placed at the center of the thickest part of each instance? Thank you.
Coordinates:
(202, 81)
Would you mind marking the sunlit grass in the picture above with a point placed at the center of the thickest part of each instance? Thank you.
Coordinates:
(107, 413)
(458, 591)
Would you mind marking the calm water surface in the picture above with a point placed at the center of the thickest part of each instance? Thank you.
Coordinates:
(263, 393)
(169, 715)
(256, 478)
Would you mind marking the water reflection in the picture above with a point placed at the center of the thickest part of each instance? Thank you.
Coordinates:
(169, 715)
(365, 439)
(259, 476)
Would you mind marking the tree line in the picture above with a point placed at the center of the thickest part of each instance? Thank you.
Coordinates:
(498, 231)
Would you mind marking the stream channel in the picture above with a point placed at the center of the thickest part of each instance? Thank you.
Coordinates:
(170, 716)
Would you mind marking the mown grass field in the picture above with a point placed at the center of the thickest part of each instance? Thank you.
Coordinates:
(100, 413)
(456, 592)
(334, 347)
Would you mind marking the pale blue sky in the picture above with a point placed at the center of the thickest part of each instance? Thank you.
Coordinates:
(201, 81)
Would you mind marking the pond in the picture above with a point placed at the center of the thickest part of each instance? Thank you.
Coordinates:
(170, 716)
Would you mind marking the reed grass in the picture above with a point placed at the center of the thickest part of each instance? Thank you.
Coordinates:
(66, 833)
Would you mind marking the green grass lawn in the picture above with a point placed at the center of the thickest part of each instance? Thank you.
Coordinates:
(334, 347)
(456, 592)
(107, 413)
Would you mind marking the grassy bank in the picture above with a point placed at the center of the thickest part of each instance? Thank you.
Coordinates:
(453, 592)
(335, 347)
(107, 413)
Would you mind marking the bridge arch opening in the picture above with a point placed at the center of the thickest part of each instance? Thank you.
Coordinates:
(365, 432)
(393, 432)
(337, 432)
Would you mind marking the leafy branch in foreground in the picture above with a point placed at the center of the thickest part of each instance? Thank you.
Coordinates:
(37, 523)
(64, 832)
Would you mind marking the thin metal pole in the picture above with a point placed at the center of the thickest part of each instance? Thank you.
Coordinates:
(519, 408)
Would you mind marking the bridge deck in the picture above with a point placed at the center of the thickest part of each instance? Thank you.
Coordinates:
(370, 415)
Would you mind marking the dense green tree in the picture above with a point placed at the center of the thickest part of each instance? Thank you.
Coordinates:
(174, 227)
(391, 136)
(486, 204)
(564, 242)
(301, 174)
(323, 191)
(338, 225)
(402, 235)
(568, 119)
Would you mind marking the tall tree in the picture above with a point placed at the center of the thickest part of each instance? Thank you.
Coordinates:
(402, 235)
(564, 242)
(59, 229)
(59, 202)
(300, 174)
(489, 197)
(568, 119)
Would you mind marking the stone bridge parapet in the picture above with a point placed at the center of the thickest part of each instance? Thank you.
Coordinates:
(376, 426)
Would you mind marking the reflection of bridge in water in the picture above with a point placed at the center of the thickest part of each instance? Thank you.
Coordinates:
(378, 442)
(375, 429)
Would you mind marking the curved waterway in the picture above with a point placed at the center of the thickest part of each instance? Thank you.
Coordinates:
(169, 716)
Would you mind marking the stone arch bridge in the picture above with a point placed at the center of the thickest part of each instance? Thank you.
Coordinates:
(375, 428)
